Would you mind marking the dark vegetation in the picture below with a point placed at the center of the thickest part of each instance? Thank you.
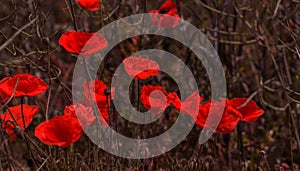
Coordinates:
(258, 44)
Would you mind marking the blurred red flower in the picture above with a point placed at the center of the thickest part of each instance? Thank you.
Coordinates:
(229, 117)
(13, 117)
(157, 99)
(82, 43)
(28, 85)
(140, 68)
(164, 16)
(91, 5)
(250, 111)
(61, 131)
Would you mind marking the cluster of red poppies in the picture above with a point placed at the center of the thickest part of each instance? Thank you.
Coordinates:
(19, 117)
(85, 44)
(169, 8)
(157, 100)
(66, 129)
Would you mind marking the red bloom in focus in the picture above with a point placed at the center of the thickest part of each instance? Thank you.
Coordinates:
(13, 117)
(61, 131)
(28, 85)
(84, 114)
(157, 99)
(166, 16)
(250, 111)
(234, 111)
(100, 93)
(91, 5)
(82, 43)
(140, 68)
(229, 118)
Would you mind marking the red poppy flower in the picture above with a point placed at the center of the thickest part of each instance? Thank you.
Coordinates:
(82, 43)
(61, 131)
(13, 117)
(140, 68)
(172, 98)
(154, 98)
(190, 105)
(157, 99)
(3, 95)
(229, 117)
(103, 110)
(101, 93)
(28, 85)
(91, 5)
(250, 111)
(84, 114)
(103, 107)
(166, 16)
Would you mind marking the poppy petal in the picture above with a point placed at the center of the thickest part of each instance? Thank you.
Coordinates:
(166, 16)
(190, 106)
(84, 114)
(61, 131)
(3, 95)
(91, 5)
(14, 116)
(154, 98)
(140, 68)
(229, 117)
(82, 43)
(99, 91)
(28, 85)
(250, 111)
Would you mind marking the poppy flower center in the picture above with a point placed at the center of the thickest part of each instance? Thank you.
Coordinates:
(164, 11)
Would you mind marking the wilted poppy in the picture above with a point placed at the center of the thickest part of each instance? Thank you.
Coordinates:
(84, 114)
(140, 68)
(13, 117)
(229, 117)
(61, 131)
(27, 85)
(166, 16)
(250, 111)
(91, 5)
(157, 99)
(82, 43)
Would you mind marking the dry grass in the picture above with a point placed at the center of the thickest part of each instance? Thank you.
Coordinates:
(257, 41)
